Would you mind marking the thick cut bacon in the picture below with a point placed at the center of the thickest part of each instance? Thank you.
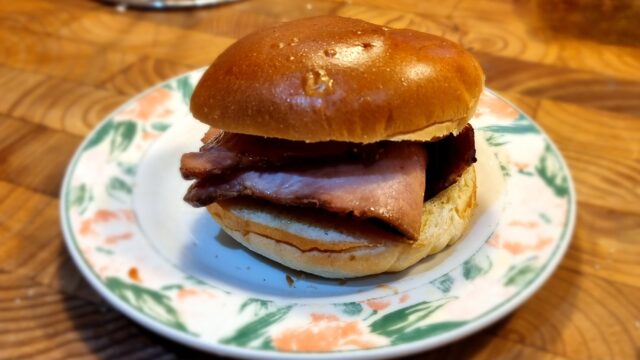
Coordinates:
(390, 189)
(377, 181)
(449, 157)
(225, 152)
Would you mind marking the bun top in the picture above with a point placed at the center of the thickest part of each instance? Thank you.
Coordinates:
(333, 78)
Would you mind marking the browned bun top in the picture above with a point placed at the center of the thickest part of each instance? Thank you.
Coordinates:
(333, 78)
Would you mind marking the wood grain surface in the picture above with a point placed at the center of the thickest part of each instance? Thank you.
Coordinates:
(574, 66)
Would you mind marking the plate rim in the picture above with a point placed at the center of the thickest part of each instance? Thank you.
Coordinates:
(482, 321)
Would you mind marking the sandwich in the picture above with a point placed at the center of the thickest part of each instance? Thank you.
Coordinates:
(338, 147)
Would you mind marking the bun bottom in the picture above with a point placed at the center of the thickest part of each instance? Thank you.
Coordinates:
(333, 247)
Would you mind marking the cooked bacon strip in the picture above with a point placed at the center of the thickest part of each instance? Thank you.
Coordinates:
(449, 157)
(390, 189)
(228, 152)
(369, 181)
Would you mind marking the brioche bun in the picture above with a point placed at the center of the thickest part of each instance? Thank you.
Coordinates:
(333, 78)
(331, 247)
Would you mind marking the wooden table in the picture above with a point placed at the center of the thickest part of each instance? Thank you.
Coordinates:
(65, 64)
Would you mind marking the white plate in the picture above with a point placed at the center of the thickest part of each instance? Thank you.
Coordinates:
(169, 267)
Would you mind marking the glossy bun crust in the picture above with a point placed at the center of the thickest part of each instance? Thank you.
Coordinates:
(333, 78)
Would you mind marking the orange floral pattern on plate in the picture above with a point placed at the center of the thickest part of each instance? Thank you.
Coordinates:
(327, 333)
(378, 305)
(105, 216)
(517, 248)
(151, 105)
(496, 107)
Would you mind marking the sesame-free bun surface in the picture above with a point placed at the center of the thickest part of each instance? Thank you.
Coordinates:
(334, 78)
(307, 240)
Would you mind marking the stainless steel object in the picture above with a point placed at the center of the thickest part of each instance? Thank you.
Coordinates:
(166, 4)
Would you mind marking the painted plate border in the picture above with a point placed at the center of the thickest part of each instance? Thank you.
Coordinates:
(446, 335)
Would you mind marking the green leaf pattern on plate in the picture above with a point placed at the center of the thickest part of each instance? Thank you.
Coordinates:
(477, 265)
(551, 172)
(119, 189)
(171, 287)
(426, 331)
(521, 126)
(127, 169)
(350, 308)
(399, 323)
(521, 274)
(258, 305)
(160, 126)
(100, 135)
(124, 133)
(104, 250)
(494, 139)
(150, 302)
(185, 87)
(444, 283)
(80, 197)
(255, 332)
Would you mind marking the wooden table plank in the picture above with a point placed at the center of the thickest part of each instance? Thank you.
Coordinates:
(64, 65)
(36, 322)
(36, 156)
(507, 33)
(579, 317)
(64, 58)
(147, 70)
(31, 242)
(46, 324)
(482, 347)
(606, 245)
(602, 149)
(444, 8)
(50, 15)
(584, 88)
(127, 35)
(56, 103)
